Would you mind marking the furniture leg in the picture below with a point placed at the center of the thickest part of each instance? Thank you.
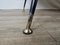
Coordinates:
(28, 29)
(24, 5)
(31, 7)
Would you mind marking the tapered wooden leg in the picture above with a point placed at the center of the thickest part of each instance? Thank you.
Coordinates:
(28, 30)
(24, 5)
(31, 6)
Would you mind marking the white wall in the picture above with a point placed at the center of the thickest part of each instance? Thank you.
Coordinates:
(18, 4)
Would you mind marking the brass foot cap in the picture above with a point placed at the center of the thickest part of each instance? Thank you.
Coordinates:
(27, 31)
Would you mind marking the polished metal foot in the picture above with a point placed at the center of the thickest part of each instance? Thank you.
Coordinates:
(27, 31)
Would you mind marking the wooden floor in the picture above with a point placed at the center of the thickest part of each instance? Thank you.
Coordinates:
(45, 26)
